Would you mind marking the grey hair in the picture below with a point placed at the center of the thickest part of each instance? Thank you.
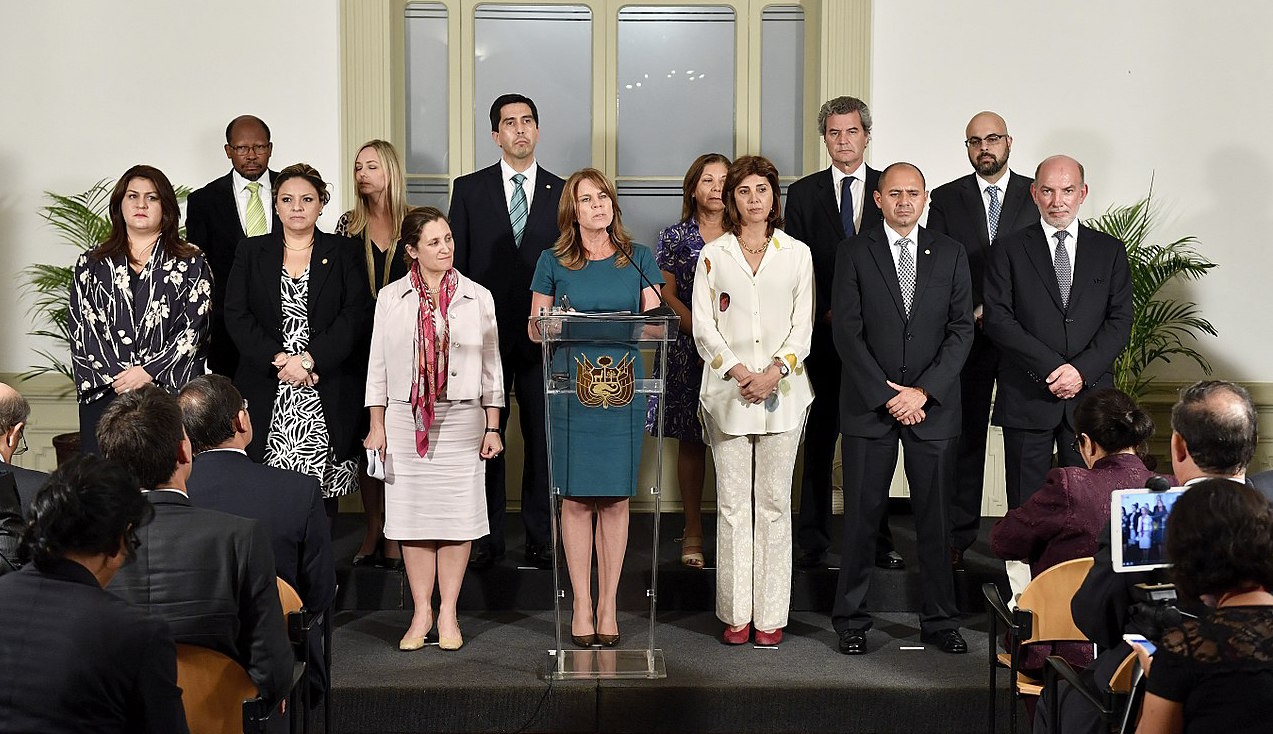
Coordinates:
(844, 106)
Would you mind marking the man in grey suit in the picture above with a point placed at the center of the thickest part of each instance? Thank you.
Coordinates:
(14, 411)
(974, 210)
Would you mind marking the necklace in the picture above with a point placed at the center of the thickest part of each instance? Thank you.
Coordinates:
(299, 249)
(763, 246)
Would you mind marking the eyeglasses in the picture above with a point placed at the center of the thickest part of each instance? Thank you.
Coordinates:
(991, 140)
(134, 542)
(245, 404)
(1077, 444)
(258, 149)
(22, 444)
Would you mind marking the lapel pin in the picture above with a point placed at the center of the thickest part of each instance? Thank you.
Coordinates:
(324, 261)
(927, 252)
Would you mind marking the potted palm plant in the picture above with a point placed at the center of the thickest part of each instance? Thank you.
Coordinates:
(1163, 327)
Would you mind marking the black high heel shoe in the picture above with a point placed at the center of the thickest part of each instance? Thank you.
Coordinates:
(584, 640)
(608, 640)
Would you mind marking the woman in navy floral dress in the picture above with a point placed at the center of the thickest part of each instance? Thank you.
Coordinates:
(701, 221)
(139, 301)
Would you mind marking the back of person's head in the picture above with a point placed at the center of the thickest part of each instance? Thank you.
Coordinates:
(1217, 421)
(142, 431)
(209, 405)
(87, 507)
(14, 408)
(1220, 539)
(1113, 420)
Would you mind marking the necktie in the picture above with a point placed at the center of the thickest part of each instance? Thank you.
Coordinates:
(994, 210)
(846, 206)
(255, 210)
(517, 209)
(906, 273)
(1061, 262)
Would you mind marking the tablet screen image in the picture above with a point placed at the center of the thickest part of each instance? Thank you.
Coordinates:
(1138, 528)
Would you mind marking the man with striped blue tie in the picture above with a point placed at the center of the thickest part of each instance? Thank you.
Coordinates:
(502, 217)
(977, 210)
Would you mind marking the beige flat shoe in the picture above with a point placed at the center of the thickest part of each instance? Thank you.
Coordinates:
(451, 643)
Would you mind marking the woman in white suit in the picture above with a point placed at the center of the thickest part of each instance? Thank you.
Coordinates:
(753, 318)
(434, 389)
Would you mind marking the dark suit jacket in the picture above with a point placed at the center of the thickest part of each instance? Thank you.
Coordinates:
(340, 310)
(29, 482)
(210, 576)
(289, 505)
(1263, 483)
(484, 247)
(813, 217)
(877, 342)
(956, 209)
(78, 659)
(212, 223)
(1023, 317)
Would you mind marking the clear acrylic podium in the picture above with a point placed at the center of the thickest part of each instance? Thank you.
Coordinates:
(567, 339)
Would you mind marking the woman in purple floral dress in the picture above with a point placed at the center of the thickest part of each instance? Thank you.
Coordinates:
(677, 255)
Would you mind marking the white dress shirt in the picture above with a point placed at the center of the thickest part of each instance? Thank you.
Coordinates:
(753, 319)
(1071, 242)
(858, 187)
(241, 195)
(528, 185)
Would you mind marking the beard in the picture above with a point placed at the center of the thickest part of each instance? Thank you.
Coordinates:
(990, 165)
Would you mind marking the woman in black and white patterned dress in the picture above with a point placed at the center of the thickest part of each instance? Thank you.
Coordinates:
(298, 308)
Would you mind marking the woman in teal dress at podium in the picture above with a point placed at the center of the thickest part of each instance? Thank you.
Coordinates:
(596, 433)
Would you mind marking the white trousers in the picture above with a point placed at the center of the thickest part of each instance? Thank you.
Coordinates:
(753, 526)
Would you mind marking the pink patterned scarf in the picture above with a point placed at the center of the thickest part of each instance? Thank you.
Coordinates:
(429, 379)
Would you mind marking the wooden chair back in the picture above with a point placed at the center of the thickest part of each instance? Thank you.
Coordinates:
(1047, 598)
(213, 689)
(290, 599)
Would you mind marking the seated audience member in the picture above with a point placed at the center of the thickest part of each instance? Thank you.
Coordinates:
(76, 658)
(14, 411)
(1213, 435)
(209, 575)
(1065, 518)
(288, 504)
(1215, 673)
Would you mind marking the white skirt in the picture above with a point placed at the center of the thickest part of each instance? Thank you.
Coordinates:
(442, 495)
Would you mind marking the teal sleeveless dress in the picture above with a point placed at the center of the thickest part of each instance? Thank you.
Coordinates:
(597, 430)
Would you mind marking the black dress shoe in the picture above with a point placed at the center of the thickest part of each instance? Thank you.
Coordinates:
(481, 558)
(812, 559)
(946, 640)
(539, 556)
(891, 561)
(853, 642)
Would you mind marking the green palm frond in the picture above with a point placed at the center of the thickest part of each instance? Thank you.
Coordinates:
(1162, 328)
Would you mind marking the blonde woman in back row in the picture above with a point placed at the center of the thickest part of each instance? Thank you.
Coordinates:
(376, 223)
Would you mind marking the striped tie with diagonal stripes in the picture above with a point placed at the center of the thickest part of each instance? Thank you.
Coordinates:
(517, 209)
(255, 211)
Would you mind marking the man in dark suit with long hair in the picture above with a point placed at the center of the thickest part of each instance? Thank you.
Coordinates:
(823, 209)
(1058, 306)
(226, 210)
(502, 217)
(975, 210)
(902, 318)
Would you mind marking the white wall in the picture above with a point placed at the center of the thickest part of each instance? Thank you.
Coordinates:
(90, 88)
(1136, 88)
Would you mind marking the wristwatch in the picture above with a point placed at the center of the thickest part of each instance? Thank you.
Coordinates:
(307, 364)
(783, 369)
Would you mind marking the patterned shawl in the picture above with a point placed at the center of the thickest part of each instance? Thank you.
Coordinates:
(428, 381)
